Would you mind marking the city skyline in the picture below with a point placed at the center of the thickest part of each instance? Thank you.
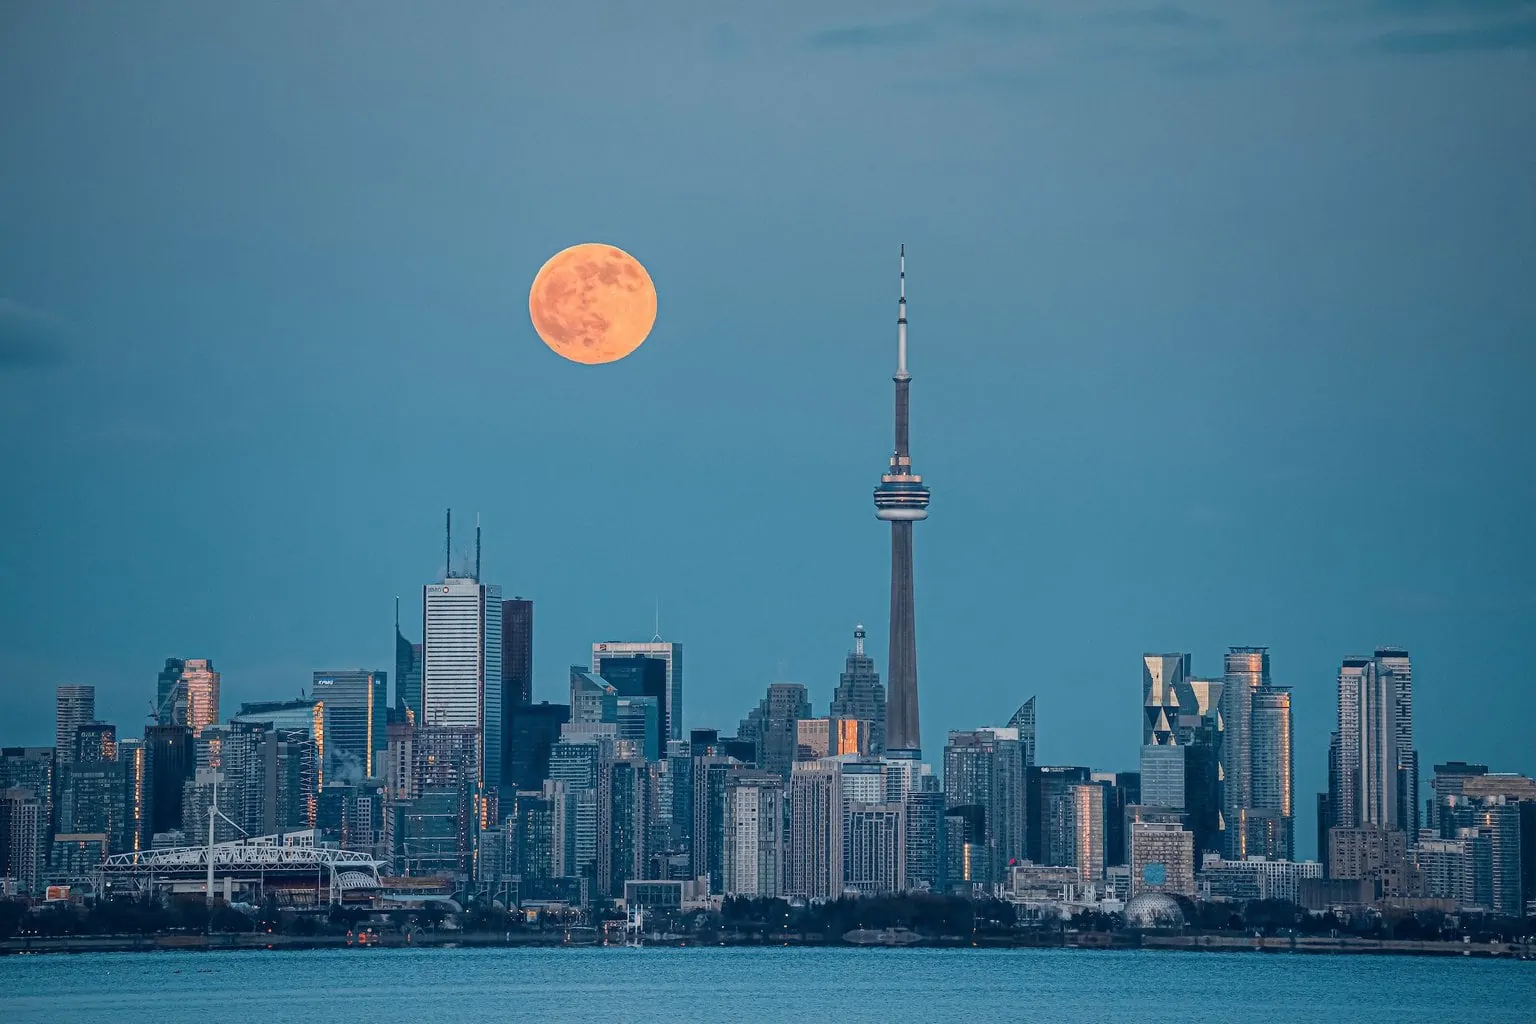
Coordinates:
(1253, 378)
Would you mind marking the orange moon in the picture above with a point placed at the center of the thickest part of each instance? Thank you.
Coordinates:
(592, 303)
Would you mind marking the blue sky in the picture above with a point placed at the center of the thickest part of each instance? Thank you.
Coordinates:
(1221, 329)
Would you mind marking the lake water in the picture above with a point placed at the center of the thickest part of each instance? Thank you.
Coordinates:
(767, 986)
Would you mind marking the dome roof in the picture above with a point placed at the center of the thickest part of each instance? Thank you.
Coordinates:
(1153, 910)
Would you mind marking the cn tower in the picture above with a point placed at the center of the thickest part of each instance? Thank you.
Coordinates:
(901, 500)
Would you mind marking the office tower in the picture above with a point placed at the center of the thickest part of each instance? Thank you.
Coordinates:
(1182, 744)
(91, 795)
(407, 672)
(1045, 787)
(985, 768)
(532, 729)
(1202, 736)
(1162, 858)
(1121, 790)
(815, 859)
(875, 855)
(516, 652)
(461, 666)
(75, 705)
(639, 723)
(1162, 776)
(399, 758)
(1270, 820)
(95, 742)
(624, 816)
(355, 702)
(773, 726)
(172, 763)
(859, 694)
(432, 835)
(135, 778)
(901, 500)
(710, 773)
(201, 683)
(23, 837)
(753, 856)
(816, 738)
(594, 700)
(170, 694)
(1085, 831)
(1396, 669)
(1024, 721)
(617, 662)
(925, 847)
(674, 808)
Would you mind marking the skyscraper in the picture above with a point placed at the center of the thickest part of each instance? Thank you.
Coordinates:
(532, 730)
(171, 764)
(984, 768)
(201, 684)
(1024, 721)
(773, 726)
(815, 862)
(1367, 747)
(1247, 670)
(1394, 665)
(1271, 819)
(355, 702)
(516, 652)
(461, 665)
(170, 694)
(75, 705)
(859, 694)
(901, 500)
(753, 857)
(620, 659)
(407, 671)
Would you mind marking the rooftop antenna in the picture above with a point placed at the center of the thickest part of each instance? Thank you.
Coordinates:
(657, 637)
(477, 547)
(448, 546)
(397, 614)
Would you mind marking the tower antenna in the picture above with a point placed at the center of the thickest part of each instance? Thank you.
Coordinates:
(397, 614)
(448, 546)
(477, 547)
(657, 637)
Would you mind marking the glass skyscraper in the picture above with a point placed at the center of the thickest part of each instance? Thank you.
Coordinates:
(355, 702)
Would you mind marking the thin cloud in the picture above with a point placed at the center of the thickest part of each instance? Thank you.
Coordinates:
(1514, 36)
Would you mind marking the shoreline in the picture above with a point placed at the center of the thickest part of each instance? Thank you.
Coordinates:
(1304, 945)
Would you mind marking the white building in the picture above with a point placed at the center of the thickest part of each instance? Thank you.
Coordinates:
(461, 664)
(753, 858)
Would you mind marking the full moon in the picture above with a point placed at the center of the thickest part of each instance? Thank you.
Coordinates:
(592, 303)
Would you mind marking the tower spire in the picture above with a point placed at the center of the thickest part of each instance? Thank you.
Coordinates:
(858, 639)
(477, 547)
(901, 318)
